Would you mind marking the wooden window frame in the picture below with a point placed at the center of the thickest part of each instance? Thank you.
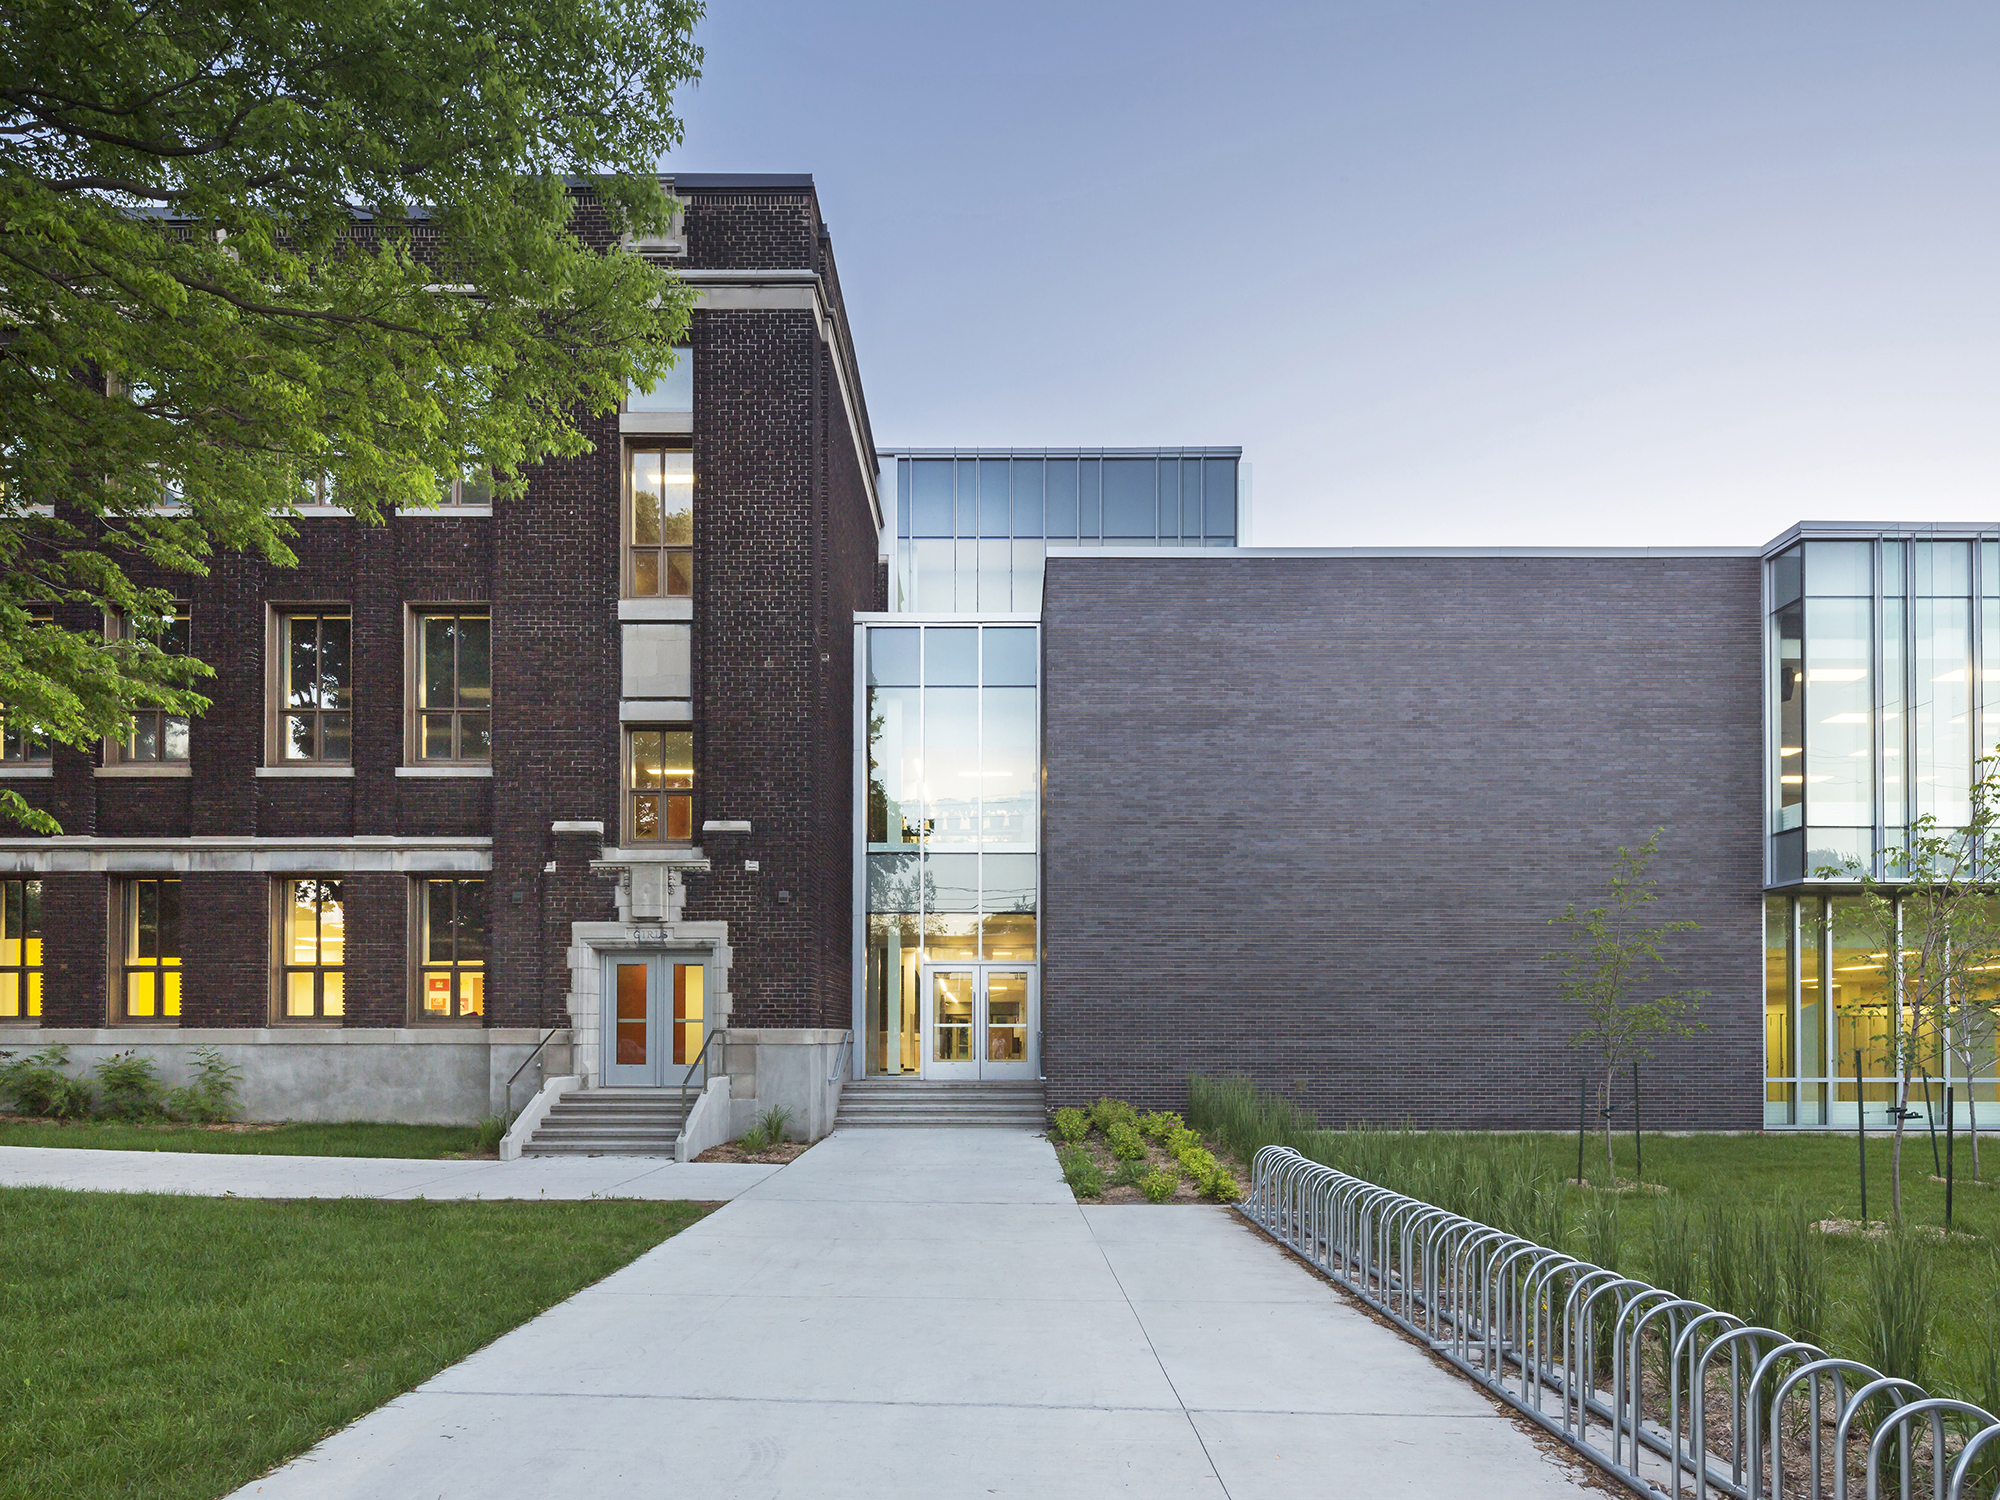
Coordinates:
(421, 966)
(126, 892)
(629, 548)
(118, 627)
(282, 967)
(28, 978)
(17, 748)
(276, 666)
(413, 679)
(628, 796)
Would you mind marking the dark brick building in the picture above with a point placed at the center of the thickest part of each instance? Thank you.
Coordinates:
(458, 764)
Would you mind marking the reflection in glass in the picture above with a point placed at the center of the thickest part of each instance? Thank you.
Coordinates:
(996, 587)
(454, 948)
(1780, 1058)
(1006, 1015)
(1129, 486)
(660, 781)
(1840, 568)
(951, 882)
(632, 1018)
(1009, 770)
(951, 763)
(1789, 708)
(1218, 499)
(1840, 718)
(892, 656)
(1012, 655)
(950, 936)
(930, 503)
(1008, 882)
(1941, 711)
(890, 988)
(152, 949)
(895, 800)
(1863, 999)
(1062, 499)
(1027, 487)
(951, 1015)
(1009, 935)
(1942, 569)
(687, 1012)
(993, 498)
(314, 948)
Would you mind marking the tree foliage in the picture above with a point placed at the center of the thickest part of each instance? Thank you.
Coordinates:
(253, 247)
(1615, 972)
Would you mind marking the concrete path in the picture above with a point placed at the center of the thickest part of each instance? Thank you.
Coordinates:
(927, 1313)
(213, 1175)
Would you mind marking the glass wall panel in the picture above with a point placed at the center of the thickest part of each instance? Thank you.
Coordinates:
(1788, 579)
(895, 883)
(1840, 709)
(951, 882)
(1943, 569)
(1007, 882)
(893, 656)
(1009, 936)
(890, 990)
(1895, 569)
(951, 656)
(1788, 707)
(948, 936)
(1167, 526)
(1863, 997)
(1009, 772)
(1988, 739)
(1218, 499)
(994, 499)
(1011, 654)
(1128, 499)
(1089, 496)
(1840, 568)
(1028, 560)
(931, 503)
(1942, 708)
(1895, 721)
(1780, 1055)
(1812, 993)
(1062, 499)
(936, 577)
(1191, 500)
(904, 471)
(966, 551)
(1028, 497)
(996, 590)
(895, 760)
(967, 490)
(951, 765)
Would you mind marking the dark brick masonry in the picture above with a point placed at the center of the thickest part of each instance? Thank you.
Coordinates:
(786, 552)
(1307, 819)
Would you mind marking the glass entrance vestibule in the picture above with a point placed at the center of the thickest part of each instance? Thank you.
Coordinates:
(949, 728)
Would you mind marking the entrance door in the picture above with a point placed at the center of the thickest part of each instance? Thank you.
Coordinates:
(653, 1023)
(979, 1022)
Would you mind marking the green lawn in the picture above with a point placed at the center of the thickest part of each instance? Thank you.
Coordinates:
(175, 1348)
(303, 1139)
(1760, 1176)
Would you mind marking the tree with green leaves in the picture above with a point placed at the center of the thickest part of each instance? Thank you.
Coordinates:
(1935, 910)
(251, 252)
(1614, 971)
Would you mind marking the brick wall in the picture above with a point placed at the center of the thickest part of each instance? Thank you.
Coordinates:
(1307, 819)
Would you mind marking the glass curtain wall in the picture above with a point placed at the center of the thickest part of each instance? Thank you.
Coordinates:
(1877, 709)
(972, 529)
(1830, 1012)
(952, 818)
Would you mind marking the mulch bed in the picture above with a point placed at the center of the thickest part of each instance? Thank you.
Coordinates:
(1099, 1151)
(776, 1156)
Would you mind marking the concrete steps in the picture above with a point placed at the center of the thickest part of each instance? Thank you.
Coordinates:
(609, 1122)
(911, 1103)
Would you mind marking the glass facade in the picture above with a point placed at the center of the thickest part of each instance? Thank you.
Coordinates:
(1830, 1011)
(1878, 654)
(971, 528)
(951, 815)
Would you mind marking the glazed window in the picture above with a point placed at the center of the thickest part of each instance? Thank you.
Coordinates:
(312, 949)
(18, 745)
(659, 781)
(155, 736)
(659, 523)
(20, 950)
(472, 485)
(149, 984)
(452, 966)
(315, 673)
(453, 676)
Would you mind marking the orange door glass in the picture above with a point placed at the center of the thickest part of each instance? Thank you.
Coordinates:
(632, 1015)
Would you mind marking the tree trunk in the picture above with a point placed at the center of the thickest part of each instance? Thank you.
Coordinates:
(1610, 1161)
(1896, 1159)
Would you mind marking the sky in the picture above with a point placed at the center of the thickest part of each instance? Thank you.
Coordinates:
(1450, 274)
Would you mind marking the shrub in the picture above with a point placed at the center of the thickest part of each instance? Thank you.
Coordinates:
(1128, 1173)
(1803, 1250)
(1108, 1112)
(39, 1086)
(1902, 1306)
(1208, 1174)
(768, 1130)
(131, 1086)
(1676, 1264)
(210, 1099)
(1072, 1125)
(1158, 1184)
(1083, 1175)
(1160, 1124)
(1126, 1142)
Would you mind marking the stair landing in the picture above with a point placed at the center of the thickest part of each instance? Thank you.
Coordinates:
(914, 1103)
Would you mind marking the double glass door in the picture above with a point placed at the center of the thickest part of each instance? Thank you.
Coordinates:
(653, 1022)
(979, 1021)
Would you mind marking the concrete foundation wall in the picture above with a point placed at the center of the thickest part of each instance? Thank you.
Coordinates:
(415, 1077)
(1308, 818)
(784, 1068)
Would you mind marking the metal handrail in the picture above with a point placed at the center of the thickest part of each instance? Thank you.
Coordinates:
(1535, 1325)
(705, 1042)
(524, 1065)
(840, 1057)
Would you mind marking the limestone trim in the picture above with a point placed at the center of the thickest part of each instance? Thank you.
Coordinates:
(591, 941)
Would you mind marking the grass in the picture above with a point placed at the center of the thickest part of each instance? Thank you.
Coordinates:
(175, 1348)
(1753, 1184)
(298, 1139)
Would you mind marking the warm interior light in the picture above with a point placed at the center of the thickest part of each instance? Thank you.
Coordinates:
(1836, 674)
(1957, 675)
(1845, 719)
(1791, 750)
(1792, 780)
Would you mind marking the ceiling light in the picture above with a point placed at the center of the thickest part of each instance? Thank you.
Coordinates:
(1791, 780)
(1835, 674)
(1846, 719)
(1791, 750)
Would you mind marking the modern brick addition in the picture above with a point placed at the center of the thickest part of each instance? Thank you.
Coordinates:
(1308, 817)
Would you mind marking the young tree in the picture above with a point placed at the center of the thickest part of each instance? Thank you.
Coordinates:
(1614, 972)
(1936, 909)
(252, 246)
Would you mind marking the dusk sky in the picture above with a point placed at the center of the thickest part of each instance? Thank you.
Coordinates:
(1449, 273)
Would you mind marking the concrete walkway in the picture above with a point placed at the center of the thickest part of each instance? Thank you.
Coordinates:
(214, 1175)
(927, 1313)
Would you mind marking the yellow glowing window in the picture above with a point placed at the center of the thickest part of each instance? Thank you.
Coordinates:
(313, 949)
(454, 949)
(20, 950)
(659, 786)
(151, 990)
(660, 521)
